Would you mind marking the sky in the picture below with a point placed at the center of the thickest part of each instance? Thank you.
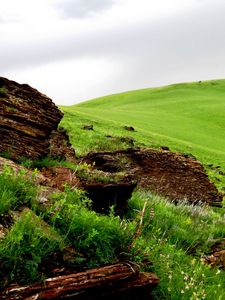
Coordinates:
(75, 50)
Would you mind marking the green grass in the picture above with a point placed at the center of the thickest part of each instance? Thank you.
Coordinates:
(164, 239)
(16, 190)
(177, 255)
(186, 117)
(40, 232)
(99, 239)
(2, 91)
(25, 247)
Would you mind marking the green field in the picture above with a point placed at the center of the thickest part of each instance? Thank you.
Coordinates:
(188, 118)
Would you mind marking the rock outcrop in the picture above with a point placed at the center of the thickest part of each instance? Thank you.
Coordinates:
(169, 174)
(103, 194)
(27, 119)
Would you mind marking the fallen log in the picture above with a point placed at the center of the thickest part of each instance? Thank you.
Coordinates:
(122, 279)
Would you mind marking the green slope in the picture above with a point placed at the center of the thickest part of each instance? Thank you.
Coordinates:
(188, 117)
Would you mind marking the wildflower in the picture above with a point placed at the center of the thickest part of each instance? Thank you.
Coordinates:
(182, 291)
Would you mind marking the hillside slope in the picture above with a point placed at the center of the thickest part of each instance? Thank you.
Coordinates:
(186, 117)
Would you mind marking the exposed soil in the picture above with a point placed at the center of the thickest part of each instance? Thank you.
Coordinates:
(217, 256)
(61, 176)
(170, 174)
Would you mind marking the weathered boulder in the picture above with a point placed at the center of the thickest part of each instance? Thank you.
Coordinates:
(173, 175)
(27, 119)
(104, 194)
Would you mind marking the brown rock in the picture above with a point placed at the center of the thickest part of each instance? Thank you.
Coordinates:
(60, 146)
(105, 195)
(129, 128)
(169, 174)
(121, 280)
(27, 119)
(88, 127)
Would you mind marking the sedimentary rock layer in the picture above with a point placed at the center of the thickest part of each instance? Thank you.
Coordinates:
(27, 119)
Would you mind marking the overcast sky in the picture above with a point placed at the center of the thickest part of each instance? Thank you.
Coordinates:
(74, 50)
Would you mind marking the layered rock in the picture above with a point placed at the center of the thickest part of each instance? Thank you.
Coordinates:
(169, 174)
(27, 119)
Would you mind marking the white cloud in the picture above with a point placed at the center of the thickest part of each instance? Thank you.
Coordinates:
(82, 8)
(80, 79)
(109, 46)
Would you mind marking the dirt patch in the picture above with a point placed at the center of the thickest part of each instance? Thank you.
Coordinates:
(170, 174)
(61, 176)
(217, 255)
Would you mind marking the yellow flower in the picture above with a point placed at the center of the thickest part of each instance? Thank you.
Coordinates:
(188, 221)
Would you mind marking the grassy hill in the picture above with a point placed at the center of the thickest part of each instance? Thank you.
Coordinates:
(187, 117)
(43, 230)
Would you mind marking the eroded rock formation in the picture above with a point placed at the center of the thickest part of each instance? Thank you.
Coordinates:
(27, 119)
(170, 174)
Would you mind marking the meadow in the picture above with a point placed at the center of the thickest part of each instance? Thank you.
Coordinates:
(172, 240)
(188, 118)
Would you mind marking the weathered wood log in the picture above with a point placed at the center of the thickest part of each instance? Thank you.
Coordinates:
(121, 279)
(27, 119)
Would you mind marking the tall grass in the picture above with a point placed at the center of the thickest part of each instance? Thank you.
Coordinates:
(176, 240)
(15, 190)
(24, 248)
(98, 238)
